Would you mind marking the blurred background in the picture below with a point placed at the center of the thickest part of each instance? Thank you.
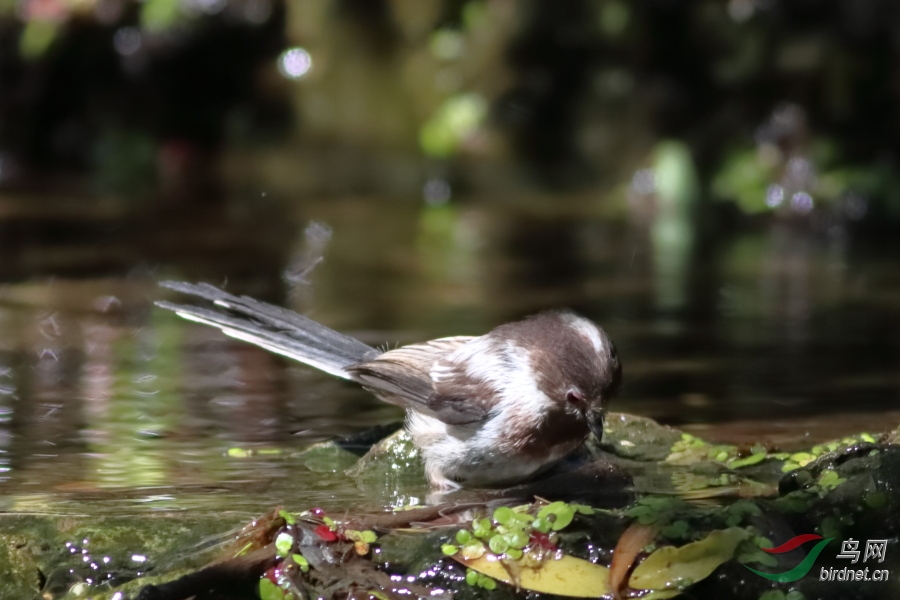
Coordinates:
(712, 181)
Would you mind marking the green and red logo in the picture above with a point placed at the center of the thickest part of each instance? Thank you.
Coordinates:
(801, 569)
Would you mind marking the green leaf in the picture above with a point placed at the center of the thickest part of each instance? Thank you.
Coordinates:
(301, 560)
(369, 536)
(498, 544)
(559, 514)
(763, 542)
(244, 549)
(563, 518)
(463, 536)
(659, 503)
(288, 517)
(517, 539)
(750, 552)
(353, 535)
(830, 479)
(582, 509)
(676, 567)
(639, 511)
(523, 519)
(449, 549)
(550, 509)
(746, 462)
(744, 507)
(283, 543)
(504, 515)
(876, 499)
(514, 554)
(269, 591)
(482, 528)
(648, 519)
(487, 583)
(802, 458)
(676, 529)
(542, 525)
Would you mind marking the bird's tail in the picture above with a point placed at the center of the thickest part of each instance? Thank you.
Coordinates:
(271, 327)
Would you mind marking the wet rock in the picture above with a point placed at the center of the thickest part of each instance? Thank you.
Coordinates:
(393, 465)
(658, 477)
(328, 457)
(20, 572)
(49, 555)
(637, 438)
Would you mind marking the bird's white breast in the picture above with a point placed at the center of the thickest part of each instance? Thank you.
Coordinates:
(487, 452)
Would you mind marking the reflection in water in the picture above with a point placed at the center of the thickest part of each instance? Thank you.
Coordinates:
(104, 397)
(8, 396)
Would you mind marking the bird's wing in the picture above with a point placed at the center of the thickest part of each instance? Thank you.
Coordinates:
(407, 376)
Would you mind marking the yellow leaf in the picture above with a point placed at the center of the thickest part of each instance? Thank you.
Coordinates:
(567, 576)
(678, 567)
(661, 595)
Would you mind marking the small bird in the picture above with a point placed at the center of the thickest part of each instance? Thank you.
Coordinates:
(492, 410)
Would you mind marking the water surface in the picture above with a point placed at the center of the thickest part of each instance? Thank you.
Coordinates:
(780, 333)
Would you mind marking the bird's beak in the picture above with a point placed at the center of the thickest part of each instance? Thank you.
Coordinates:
(595, 423)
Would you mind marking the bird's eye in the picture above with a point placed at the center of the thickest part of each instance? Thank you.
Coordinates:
(574, 397)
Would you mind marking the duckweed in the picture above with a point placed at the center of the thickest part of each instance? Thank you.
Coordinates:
(676, 530)
(829, 479)
(875, 499)
(301, 561)
(559, 514)
(284, 543)
(270, 591)
(511, 533)
(476, 579)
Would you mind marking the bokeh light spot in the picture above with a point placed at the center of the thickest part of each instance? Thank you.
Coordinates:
(127, 41)
(774, 196)
(802, 203)
(294, 63)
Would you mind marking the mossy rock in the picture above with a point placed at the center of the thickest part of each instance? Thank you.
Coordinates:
(47, 554)
(394, 463)
(637, 438)
(20, 571)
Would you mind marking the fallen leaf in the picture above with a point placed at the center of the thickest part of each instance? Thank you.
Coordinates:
(630, 544)
(674, 567)
(566, 576)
